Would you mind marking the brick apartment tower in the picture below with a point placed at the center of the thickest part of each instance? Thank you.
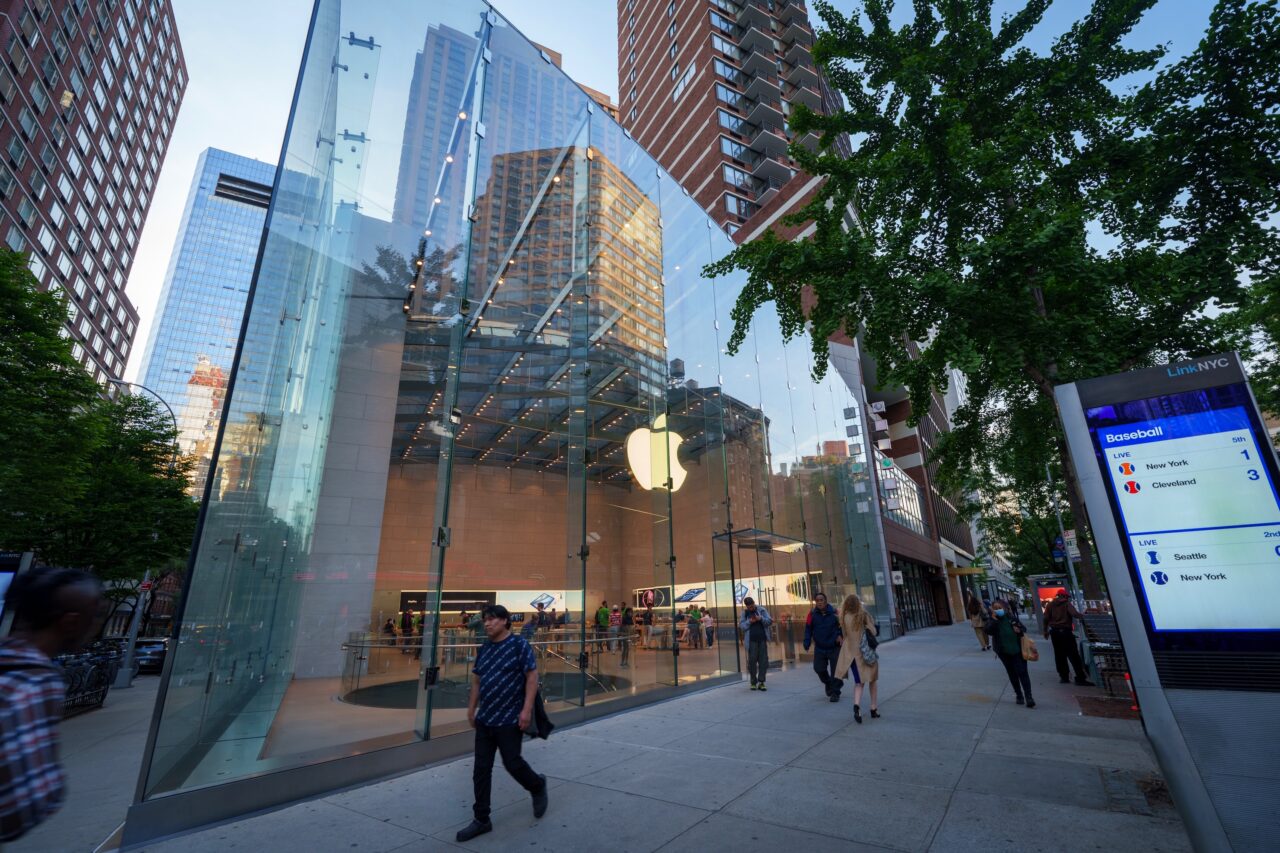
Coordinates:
(706, 87)
(89, 93)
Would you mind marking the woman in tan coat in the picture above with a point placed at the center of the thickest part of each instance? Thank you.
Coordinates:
(857, 659)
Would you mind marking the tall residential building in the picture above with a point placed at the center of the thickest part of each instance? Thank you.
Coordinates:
(89, 94)
(707, 85)
(193, 339)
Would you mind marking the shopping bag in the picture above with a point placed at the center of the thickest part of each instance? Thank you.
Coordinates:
(1029, 651)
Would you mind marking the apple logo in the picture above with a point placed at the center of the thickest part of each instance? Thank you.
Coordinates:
(648, 449)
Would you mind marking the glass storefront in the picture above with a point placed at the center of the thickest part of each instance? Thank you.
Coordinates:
(481, 364)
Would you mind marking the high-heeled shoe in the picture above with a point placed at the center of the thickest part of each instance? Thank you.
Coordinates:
(875, 714)
(857, 714)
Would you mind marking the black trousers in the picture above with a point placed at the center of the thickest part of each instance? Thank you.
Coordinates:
(824, 663)
(507, 740)
(1016, 667)
(1065, 650)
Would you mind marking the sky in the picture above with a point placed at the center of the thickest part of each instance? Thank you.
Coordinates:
(242, 63)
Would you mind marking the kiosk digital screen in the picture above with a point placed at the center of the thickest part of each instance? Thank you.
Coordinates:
(1194, 490)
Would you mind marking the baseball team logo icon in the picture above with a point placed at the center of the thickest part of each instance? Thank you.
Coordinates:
(1126, 468)
(1132, 487)
(1159, 578)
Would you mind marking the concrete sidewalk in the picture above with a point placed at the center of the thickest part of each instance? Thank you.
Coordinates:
(953, 765)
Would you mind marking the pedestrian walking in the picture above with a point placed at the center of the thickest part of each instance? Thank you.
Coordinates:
(500, 709)
(755, 624)
(978, 619)
(1006, 632)
(822, 631)
(1059, 628)
(55, 611)
(858, 657)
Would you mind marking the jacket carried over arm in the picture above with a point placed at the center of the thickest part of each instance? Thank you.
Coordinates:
(822, 628)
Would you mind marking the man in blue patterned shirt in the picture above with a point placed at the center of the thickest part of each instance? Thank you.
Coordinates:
(500, 710)
(55, 611)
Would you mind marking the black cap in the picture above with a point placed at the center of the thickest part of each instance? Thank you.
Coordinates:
(497, 611)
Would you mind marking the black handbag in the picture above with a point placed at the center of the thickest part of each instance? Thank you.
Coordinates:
(872, 642)
(542, 725)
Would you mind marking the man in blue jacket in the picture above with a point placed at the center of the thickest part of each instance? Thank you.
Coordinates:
(822, 629)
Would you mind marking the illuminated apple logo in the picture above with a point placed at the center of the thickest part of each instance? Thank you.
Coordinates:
(651, 453)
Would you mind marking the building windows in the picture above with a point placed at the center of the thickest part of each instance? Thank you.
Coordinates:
(736, 177)
(727, 71)
(46, 240)
(631, 117)
(38, 97)
(632, 58)
(733, 149)
(632, 95)
(726, 47)
(682, 83)
(675, 48)
(27, 121)
(731, 122)
(26, 212)
(17, 153)
(723, 24)
(671, 31)
(14, 240)
(732, 97)
(7, 181)
(739, 207)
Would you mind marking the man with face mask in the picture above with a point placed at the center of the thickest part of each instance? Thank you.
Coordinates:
(1006, 632)
(55, 611)
(822, 631)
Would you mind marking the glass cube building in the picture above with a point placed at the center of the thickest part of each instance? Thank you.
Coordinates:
(193, 339)
(481, 364)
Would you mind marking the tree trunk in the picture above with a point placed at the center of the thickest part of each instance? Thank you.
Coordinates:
(1090, 579)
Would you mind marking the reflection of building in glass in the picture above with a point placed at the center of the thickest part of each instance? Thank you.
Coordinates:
(511, 387)
(193, 338)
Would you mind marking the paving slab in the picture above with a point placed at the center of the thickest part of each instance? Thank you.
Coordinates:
(1099, 752)
(304, 827)
(983, 823)
(1063, 782)
(889, 759)
(586, 818)
(747, 743)
(871, 811)
(724, 832)
(707, 781)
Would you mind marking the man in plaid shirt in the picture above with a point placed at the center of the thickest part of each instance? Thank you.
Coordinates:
(55, 612)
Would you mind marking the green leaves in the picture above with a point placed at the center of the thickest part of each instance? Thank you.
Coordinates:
(84, 481)
(1030, 217)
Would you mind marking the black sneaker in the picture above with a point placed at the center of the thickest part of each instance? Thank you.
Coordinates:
(762, 687)
(1031, 703)
(1020, 701)
(473, 829)
(1064, 680)
(833, 697)
(540, 799)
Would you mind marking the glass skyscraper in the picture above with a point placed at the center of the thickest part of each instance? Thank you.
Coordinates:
(482, 364)
(193, 338)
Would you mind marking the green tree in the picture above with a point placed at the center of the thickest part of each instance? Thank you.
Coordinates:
(134, 514)
(84, 481)
(47, 422)
(1030, 219)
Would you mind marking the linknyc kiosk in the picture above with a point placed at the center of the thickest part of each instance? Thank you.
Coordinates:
(1180, 479)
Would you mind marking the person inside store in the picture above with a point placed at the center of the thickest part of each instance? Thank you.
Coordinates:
(709, 627)
(628, 634)
(500, 708)
(389, 632)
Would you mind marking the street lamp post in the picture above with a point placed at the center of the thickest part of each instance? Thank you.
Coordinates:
(124, 678)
